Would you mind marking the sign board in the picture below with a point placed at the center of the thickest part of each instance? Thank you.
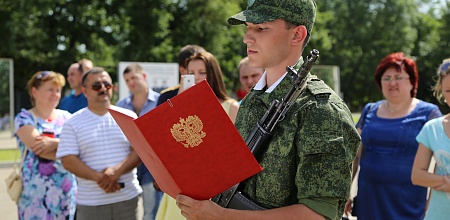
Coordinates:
(159, 76)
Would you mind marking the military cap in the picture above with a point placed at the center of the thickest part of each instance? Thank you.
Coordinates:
(298, 12)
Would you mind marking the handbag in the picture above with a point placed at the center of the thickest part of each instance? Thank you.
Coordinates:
(14, 180)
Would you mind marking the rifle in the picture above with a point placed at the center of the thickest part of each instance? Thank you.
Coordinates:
(260, 136)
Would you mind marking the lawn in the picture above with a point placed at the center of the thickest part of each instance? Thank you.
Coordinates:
(8, 155)
(356, 117)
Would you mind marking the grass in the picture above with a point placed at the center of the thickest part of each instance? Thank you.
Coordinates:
(8, 155)
(355, 117)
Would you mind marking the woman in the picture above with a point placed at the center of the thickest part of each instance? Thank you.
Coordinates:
(434, 140)
(388, 129)
(48, 189)
(204, 66)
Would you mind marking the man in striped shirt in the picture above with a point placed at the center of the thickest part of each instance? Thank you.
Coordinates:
(93, 147)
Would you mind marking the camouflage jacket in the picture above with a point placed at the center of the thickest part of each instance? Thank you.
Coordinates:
(309, 158)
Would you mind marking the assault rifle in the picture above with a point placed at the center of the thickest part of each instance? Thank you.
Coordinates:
(259, 138)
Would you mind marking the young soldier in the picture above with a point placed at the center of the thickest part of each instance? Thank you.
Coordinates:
(307, 165)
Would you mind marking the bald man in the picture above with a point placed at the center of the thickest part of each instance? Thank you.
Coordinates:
(76, 99)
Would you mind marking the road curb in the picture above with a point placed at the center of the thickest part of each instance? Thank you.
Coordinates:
(6, 164)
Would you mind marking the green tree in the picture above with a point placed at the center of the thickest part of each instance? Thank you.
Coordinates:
(204, 23)
(50, 35)
(361, 33)
(4, 87)
(355, 35)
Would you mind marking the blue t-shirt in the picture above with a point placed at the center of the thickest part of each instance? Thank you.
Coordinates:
(434, 138)
(73, 103)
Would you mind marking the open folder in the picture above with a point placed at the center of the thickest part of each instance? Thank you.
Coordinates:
(190, 145)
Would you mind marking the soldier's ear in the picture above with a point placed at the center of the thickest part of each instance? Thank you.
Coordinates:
(299, 36)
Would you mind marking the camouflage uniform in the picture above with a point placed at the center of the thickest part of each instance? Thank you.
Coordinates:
(310, 156)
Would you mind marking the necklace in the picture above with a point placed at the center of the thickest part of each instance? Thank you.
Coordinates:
(394, 110)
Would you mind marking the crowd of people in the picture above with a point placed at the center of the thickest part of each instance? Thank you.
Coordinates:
(87, 169)
(95, 184)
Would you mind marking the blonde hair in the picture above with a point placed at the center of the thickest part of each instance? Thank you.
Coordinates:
(40, 78)
(441, 73)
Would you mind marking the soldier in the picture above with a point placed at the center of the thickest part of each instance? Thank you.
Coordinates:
(307, 165)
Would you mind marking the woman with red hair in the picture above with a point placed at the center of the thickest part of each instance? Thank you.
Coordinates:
(388, 131)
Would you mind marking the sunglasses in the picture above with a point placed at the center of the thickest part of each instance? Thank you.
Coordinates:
(444, 68)
(97, 86)
(42, 75)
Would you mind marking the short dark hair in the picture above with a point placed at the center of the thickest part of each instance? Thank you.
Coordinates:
(134, 67)
(186, 52)
(95, 70)
(288, 25)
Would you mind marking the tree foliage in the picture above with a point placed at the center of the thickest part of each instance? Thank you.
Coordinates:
(355, 35)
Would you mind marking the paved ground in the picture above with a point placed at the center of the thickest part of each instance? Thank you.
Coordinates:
(6, 140)
(8, 208)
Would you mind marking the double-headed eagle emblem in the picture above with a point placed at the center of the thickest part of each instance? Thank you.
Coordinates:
(188, 131)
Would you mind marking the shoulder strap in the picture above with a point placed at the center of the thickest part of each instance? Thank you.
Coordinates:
(26, 147)
(364, 114)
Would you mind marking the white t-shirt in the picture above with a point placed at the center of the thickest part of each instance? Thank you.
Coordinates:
(434, 138)
(99, 143)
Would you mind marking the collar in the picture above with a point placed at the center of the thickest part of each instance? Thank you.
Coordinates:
(262, 83)
(152, 96)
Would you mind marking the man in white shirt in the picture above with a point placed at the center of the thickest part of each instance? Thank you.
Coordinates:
(93, 147)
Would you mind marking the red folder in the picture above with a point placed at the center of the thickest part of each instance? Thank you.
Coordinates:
(190, 145)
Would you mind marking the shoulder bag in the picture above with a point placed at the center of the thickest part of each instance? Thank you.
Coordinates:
(14, 180)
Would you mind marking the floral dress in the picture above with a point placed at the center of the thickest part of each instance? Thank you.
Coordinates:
(49, 191)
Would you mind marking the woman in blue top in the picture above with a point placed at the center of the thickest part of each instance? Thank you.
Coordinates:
(434, 141)
(388, 129)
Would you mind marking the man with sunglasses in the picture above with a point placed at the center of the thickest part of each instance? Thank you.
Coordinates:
(93, 147)
(141, 100)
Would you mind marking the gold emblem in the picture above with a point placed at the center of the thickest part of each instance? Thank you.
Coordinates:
(189, 131)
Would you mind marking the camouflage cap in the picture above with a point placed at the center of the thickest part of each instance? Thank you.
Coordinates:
(298, 12)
